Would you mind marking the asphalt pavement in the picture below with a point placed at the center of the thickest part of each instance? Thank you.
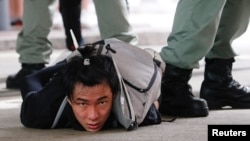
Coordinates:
(152, 33)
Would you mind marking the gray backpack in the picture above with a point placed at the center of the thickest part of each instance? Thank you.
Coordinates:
(139, 71)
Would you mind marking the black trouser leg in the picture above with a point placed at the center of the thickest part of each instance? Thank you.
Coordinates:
(71, 15)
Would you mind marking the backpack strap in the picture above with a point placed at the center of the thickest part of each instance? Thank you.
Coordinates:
(152, 80)
(59, 113)
(157, 58)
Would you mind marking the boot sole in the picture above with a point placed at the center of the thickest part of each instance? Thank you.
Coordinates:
(187, 112)
(222, 103)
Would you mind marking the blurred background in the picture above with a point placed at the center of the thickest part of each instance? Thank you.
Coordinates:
(145, 16)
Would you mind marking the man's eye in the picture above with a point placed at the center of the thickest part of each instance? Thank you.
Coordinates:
(82, 104)
(102, 102)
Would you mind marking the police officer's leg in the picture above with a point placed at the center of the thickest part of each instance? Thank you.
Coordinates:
(193, 33)
(33, 45)
(219, 88)
(113, 20)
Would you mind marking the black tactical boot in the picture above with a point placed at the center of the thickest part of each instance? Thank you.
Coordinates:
(220, 89)
(177, 98)
(13, 81)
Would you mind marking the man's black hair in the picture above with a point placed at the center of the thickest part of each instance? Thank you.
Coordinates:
(90, 70)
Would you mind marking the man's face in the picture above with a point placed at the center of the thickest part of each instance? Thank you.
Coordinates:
(91, 105)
